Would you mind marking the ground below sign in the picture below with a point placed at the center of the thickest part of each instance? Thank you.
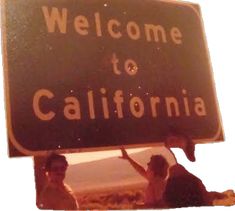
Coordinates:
(83, 75)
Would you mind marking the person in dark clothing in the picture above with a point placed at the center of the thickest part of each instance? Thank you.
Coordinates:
(184, 189)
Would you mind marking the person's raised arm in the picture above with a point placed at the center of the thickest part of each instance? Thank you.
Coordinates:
(140, 169)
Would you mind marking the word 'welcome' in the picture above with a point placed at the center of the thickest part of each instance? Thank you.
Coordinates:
(57, 21)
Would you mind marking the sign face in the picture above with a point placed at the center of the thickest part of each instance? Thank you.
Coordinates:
(86, 74)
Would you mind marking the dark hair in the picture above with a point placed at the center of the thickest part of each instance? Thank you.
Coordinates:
(183, 189)
(159, 165)
(54, 157)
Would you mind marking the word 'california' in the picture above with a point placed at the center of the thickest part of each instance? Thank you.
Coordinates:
(56, 21)
(134, 105)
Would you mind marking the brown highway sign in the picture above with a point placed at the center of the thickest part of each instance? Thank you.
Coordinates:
(84, 75)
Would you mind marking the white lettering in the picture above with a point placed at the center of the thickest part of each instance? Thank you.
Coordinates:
(55, 18)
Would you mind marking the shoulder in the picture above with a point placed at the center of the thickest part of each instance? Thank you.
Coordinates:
(178, 170)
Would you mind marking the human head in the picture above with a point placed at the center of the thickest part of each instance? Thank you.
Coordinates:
(159, 166)
(55, 167)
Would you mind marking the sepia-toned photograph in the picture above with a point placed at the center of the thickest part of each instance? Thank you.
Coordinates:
(117, 105)
(102, 180)
(146, 178)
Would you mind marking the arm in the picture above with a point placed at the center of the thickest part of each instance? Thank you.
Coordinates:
(184, 142)
(140, 169)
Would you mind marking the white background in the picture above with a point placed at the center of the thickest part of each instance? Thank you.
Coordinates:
(215, 162)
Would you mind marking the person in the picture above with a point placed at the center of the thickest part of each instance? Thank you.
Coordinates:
(179, 188)
(184, 189)
(156, 175)
(56, 194)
